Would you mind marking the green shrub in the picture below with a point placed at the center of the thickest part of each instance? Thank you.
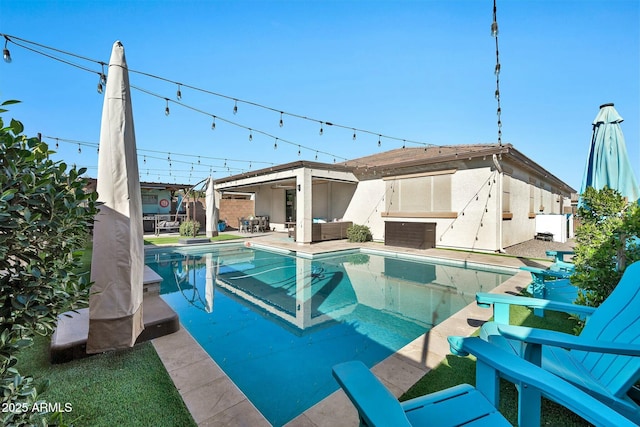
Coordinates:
(358, 233)
(45, 215)
(606, 242)
(189, 228)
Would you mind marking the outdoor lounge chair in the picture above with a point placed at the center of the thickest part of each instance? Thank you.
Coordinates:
(464, 404)
(547, 284)
(603, 360)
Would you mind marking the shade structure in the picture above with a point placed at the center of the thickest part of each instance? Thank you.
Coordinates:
(608, 163)
(117, 266)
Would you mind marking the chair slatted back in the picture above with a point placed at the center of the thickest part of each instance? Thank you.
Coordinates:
(616, 320)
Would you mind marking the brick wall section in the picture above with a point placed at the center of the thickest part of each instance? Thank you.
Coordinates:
(232, 209)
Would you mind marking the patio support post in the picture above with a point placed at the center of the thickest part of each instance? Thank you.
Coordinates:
(304, 203)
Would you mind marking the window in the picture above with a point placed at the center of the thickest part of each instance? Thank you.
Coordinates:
(149, 199)
(419, 194)
(506, 193)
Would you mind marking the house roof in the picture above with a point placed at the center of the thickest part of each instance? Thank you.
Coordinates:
(412, 159)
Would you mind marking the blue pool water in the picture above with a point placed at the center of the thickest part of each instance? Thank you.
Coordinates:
(277, 323)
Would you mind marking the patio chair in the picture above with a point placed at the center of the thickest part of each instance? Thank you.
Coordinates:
(603, 360)
(243, 225)
(559, 263)
(467, 405)
(545, 280)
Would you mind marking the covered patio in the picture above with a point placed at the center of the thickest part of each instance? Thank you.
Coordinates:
(296, 195)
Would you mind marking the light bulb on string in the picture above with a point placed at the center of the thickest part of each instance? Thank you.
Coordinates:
(249, 165)
(79, 149)
(404, 144)
(354, 134)
(225, 163)
(235, 106)
(250, 135)
(100, 88)
(281, 121)
(166, 110)
(178, 93)
(321, 130)
(198, 159)
(6, 55)
(144, 160)
(494, 29)
(275, 144)
(57, 145)
(103, 76)
(213, 123)
(298, 151)
(316, 155)
(379, 142)
(496, 71)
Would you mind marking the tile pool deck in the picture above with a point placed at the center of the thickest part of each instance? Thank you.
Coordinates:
(214, 400)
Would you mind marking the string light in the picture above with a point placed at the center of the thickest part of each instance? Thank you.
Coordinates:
(213, 123)
(79, 149)
(354, 134)
(166, 110)
(179, 93)
(321, 130)
(6, 55)
(494, 34)
(275, 144)
(250, 135)
(281, 121)
(236, 100)
(102, 81)
(379, 142)
(298, 151)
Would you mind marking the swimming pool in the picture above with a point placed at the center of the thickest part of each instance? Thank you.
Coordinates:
(277, 323)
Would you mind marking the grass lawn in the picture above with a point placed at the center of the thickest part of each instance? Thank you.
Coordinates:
(458, 370)
(125, 388)
(166, 240)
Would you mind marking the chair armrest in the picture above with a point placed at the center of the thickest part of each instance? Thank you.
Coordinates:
(375, 404)
(559, 255)
(547, 274)
(559, 339)
(519, 371)
(486, 299)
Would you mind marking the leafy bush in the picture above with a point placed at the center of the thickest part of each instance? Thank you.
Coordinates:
(45, 215)
(189, 228)
(606, 242)
(358, 233)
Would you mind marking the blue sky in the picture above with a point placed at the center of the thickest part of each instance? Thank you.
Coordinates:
(414, 70)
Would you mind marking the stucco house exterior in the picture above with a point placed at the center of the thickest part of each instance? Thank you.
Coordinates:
(482, 197)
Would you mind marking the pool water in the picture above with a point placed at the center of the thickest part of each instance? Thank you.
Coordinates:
(277, 323)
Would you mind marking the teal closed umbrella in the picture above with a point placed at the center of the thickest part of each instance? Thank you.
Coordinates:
(608, 163)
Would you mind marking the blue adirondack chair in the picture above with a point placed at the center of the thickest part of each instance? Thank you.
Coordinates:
(467, 405)
(559, 263)
(550, 284)
(603, 360)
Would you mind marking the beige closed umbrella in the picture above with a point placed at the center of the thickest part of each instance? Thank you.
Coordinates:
(117, 266)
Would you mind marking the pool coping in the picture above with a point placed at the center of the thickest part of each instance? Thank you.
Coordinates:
(214, 400)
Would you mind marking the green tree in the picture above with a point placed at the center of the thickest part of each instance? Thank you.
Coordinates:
(606, 242)
(45, 216)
